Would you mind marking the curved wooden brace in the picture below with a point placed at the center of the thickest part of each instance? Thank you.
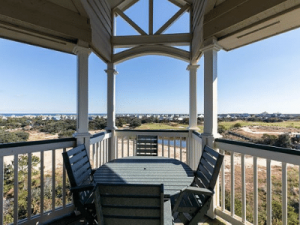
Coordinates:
(151, 50)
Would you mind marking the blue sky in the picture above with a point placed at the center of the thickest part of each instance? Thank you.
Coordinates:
(263, 76)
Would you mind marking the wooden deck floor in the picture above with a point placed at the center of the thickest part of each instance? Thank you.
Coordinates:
(206, 221)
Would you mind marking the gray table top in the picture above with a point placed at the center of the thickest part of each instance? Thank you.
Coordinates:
(174, 174)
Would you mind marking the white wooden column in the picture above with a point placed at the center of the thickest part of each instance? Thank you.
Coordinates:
(111, 114)
(192, 114)
(82, 130)
(210, 51)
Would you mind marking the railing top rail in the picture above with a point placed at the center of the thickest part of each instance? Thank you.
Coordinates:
(197, 133)
(100, 134)
(261, 147)
(154, 131)
(32, 143)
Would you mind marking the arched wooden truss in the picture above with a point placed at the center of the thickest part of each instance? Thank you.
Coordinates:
(151, 50)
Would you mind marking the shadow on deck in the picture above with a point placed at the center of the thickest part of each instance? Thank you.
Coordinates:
(72, 219)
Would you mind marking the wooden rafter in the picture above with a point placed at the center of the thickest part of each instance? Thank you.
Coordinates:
(173, 19)
(130, 22)
(150, 17)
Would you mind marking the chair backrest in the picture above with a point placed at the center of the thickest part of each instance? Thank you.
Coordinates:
(129, 204)
(79, 170)
(146, 145)
(208, 168)
(78, 166)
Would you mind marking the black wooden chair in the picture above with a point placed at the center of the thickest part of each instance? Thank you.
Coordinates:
(81, 179)
(146, 145)
(132, 204)
(192, 203)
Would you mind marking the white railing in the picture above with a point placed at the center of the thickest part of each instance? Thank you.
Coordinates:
(33, 179)
(99, 149)
(34, 185)
(248, 172)
(171, 143)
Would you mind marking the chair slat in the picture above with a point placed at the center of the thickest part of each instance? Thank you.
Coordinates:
(209, 158)
(150, 201)
(146, 145)
(78, 157)
(130, 204)
(130, 221)
(140, 211)
(211, 151)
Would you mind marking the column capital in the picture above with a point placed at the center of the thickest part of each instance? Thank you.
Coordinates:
(81, 50)
(111, 69)
(111, 72)
(211, 44)
(192, 67)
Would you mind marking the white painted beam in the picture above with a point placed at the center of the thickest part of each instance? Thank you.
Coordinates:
(151, 50)
(46, 17)
(183, 39)
(232, 12)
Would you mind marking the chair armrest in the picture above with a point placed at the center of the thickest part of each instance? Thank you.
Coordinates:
(82, 188)
(191, 189)
(197, 190)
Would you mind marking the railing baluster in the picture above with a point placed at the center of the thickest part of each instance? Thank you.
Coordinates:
(174, 148)
(223, 181)
(168, 147)
(180, 139)
(269, 193)
(42, 183)
(94, 156)
(1, 187)
(64, 183)
(232, 199)
(243, 189)
(284, 194)
(29, 187)
(127, 146)
(102, 150)
(163, 146)
(134, 146)
(106, 151)
(255, 191)
(97, 154)
(53, 179)
(117, 147)
(187, 155)
(122, 147)
(16, 187)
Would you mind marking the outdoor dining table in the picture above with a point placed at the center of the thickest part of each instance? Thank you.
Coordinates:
(174, 174)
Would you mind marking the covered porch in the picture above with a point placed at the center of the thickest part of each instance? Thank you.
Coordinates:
(81, 27)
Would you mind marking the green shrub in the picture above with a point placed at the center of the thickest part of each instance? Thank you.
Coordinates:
(237, 125)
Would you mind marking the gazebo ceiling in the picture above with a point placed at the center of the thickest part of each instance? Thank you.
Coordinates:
(61, 25)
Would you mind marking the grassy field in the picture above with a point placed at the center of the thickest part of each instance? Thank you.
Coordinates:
(284, 124)
(227, 125)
